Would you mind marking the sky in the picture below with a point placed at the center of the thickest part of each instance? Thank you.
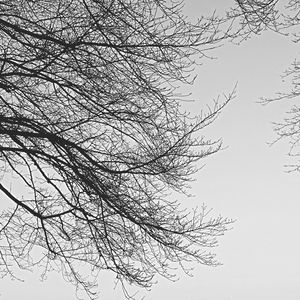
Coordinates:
(247, 181)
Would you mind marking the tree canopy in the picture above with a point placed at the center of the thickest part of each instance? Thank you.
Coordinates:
(93, 134)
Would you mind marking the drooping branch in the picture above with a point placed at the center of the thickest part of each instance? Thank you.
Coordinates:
(93, 131)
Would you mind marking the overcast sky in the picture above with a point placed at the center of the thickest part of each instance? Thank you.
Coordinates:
(247, 181)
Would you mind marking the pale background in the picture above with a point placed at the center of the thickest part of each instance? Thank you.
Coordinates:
(247, 181)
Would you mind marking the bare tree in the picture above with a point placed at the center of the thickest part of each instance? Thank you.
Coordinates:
(93, 133)
(282, 17)
(254, 17)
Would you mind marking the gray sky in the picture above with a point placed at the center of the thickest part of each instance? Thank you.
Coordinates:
(246, 181)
